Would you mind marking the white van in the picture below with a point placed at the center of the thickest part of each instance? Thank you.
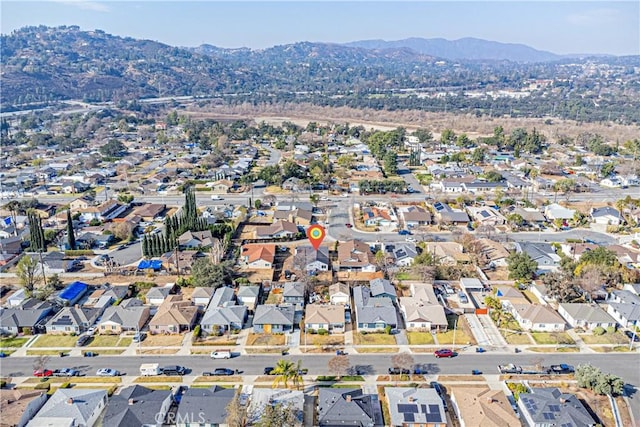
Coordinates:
(216, 197)
(150, 369)
(221, 354)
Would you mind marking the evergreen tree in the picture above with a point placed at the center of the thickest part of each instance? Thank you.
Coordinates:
(38, 243)
(71, 237)
(145, 246)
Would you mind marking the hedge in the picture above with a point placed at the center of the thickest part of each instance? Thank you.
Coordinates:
(78, 252)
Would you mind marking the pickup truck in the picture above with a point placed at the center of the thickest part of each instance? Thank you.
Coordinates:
(509, 369)
(66, 372)
(561, 369)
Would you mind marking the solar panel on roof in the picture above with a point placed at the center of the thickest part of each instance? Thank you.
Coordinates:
(433, 409)
(408, 416)
(434, 418)
(424, 408)
(403, 407)
(554, 408)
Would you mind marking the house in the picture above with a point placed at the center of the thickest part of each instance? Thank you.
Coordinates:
(537, 317)
(72, 293)
(415, 216)
(575, 250)
(220, 319)
(448, 253)
(53, 262)
(294, 293)
(327, 317)
(16, 298)
(404, 254)
(157, 295)
(258, 256)
(542, 253)
(196, 239)
(550, 407)
(293, 184)
(494, 253)
(555, 211)
(624, 307)
(263, 397)
(138, 406)
(383, 288)
(415, 407)
(339, 293)
(72, 320)
(373, 314)
(71, 407)
(606, 215)
(80, 203)
(174, 316)
(149, 211)
(311, 260)
(249, 295)
(340, 406)
(118, 319)
(297, 216)
(355, 255)
(16, 320)
(202, 295)
(223, 297)
(180, 261)
(18, 406)
(482, 407)
(422, 310)
(529, 215)
(222, 187)
(509, 296)
(270, 318)
(278, 229)
(586, 316)
(377, 217)
(205, 407)
(447, 215)
(105, 211)
(485, 215)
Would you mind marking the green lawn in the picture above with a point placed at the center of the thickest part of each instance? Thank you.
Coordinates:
(110, 341)
(373, 339)
(56, 341)
(552, 338)
(461, 338)
(45, 352)
(12, 342)
(419, 338)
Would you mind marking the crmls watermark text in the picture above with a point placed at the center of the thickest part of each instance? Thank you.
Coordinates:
(184, 418)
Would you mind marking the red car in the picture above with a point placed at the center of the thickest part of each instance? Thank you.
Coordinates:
(445, 352)
(42, 373)
(348, 225)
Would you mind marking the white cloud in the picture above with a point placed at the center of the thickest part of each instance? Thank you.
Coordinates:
(86, 5)
(594, 17)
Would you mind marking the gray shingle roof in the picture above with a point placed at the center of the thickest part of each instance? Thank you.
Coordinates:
(549, 406)
(84, 403)
(205, 404)
(125, 317)
(269, 314)
(336, 408)
(224, 316)
(142, 411)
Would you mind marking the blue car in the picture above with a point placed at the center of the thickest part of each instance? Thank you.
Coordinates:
(404, 232)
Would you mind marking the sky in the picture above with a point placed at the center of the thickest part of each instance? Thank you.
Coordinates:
(562, 27)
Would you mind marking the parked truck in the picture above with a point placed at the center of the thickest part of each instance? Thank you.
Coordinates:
(510, 369)
(150, 369)
(561, 369)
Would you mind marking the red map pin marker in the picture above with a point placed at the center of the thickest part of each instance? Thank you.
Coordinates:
(316, 234)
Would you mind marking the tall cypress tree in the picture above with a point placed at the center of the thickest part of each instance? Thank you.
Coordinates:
(71, 237)
(145, 246)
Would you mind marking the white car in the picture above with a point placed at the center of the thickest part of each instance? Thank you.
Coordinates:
(410, 239)
(107, 372)
(91, 331)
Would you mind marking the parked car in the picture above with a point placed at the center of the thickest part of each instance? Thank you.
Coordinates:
(107, 372)
(445, 352)
(174, 370)
(399, 371)
(139, 337)
(221, 354)
(83, 340)
(219, 372)
(268, 370)
(632, 336)
(476, 372)
(42, 373)
(404, 232)
(348, 225)
(410, 239)
(90, 354)
(66, 372)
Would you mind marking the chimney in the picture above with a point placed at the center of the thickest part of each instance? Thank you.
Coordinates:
(489, 400)
(563, 400)
(70, 401)
(412, 399)
(348, 398)
(131, 401)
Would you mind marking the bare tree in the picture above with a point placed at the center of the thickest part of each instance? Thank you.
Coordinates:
(217, 251)
(237, 415)
(403, 361)
(339, 365)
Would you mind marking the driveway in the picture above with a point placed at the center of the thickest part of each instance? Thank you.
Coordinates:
(129, 255)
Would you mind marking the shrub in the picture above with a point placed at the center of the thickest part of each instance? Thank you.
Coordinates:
(78, 252)
(42, 386)
(387, 329)
(196, 332)
(598, 330)
(3, 383)
(323, 332)
(65, 385)
(611, 330)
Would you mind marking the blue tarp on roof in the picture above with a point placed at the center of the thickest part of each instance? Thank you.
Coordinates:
(73, 291)
(156, 264)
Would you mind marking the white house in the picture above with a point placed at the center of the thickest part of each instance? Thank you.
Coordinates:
(339, 293)
(606, 215)
(586, 316)
(536, 317)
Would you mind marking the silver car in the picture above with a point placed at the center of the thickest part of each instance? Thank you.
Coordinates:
(107, 372)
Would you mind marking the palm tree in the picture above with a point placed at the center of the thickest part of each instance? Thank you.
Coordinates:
(283, 372)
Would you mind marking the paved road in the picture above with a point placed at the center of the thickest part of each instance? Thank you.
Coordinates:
(623, 365)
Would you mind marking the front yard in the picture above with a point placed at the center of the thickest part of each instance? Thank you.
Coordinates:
(615, 338)
(265, 339)
(516, 337)
(12, 342)
(552, 338)
(420, 338)
(373, 339)
(110, 341)
(55, 341)
(316, 339)
(162, 341)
